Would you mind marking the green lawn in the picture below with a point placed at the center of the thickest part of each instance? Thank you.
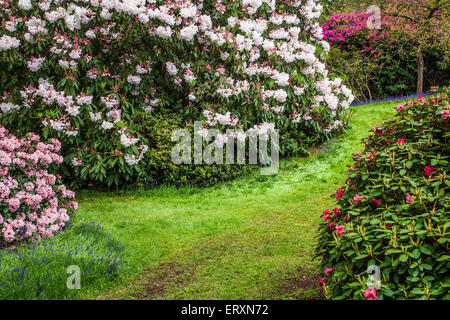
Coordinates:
(249, 239)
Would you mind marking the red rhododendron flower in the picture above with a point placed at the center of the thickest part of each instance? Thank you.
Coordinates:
(325, 214)
(328, 270)
(428, 170)
(335, 211)
(340, 193)
(370, 294)
(421, 99)
(376, 202)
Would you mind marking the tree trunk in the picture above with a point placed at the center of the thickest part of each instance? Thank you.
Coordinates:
(420, 67)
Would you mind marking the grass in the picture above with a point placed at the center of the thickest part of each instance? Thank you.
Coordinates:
(249, 239)
(252, 238)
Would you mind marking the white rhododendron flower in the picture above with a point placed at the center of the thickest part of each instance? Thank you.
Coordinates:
(107, 125)
(95, 116)
(34, 64)
(7, 42)
(164, 32)
(188, 32)
(25, 4)
(188, 12)
(134, 79)
(171, 68)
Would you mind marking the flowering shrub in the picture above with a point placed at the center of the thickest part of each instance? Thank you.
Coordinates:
(159, 169)
(83, 72)
(33, 203)
(378, 63)
(393, 211)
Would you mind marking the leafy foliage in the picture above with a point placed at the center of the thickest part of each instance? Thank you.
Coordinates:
(159, 169)
(393, 210)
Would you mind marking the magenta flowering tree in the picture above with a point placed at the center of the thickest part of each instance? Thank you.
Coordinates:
(34, 204)
(407, 31)
(84, 72)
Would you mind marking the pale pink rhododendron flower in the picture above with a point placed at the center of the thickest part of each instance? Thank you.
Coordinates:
(400, 107)
(36, 205)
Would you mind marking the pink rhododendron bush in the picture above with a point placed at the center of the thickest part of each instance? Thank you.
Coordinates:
(383, 56)
(33, 203)
(84, 71)
(389, 237)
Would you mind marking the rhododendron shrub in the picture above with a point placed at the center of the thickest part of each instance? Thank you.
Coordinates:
(160, 170)
(393, 212)
(34, 204)
(389, 55)
(84, 71)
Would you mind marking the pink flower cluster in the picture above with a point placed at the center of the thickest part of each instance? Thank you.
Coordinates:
(370, 294)
(327, 215)
(445, 114)
(33, 204)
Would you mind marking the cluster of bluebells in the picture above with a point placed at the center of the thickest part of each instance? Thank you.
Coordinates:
(34, 204)
(38, 270)
(224, 53)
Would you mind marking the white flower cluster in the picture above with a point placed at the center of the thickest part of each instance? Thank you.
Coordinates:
(171, 68)
(260, 46)
(8, 106)
(134, 79)
(34, 64)
(127, 141)
(7, 42)
(222, 119)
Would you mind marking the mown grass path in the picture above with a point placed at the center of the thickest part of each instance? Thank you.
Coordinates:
(249, 239)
